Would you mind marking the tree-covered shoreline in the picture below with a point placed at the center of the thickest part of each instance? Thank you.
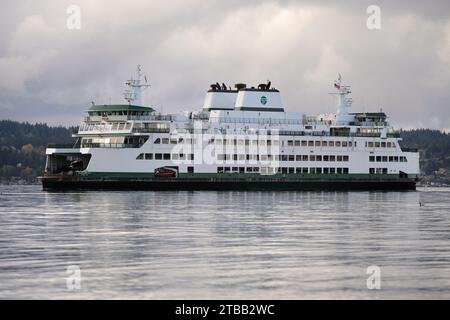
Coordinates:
(22, 148)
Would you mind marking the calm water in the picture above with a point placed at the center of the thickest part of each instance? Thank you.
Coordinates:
(267, 245)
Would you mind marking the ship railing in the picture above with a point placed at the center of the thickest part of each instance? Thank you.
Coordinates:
(151, 130)
(125, 118)
(324, 133)
(110, 145)
(154, 117)
(287, 133)
(316, 122)
(260, 121)
(371, 123)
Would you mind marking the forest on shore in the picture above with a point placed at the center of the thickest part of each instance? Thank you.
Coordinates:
(22, 149)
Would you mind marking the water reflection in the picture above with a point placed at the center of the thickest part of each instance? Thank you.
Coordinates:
(224, 244)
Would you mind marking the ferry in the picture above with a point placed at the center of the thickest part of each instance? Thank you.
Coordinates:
(241, 139)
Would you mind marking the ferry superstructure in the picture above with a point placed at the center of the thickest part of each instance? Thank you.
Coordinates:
(242, 139)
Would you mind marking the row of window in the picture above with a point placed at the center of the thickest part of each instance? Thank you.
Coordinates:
(106, 127)
(378, 144)
(378, 170)
(256, 120)
(284, 170)
(293, 143)
(304, 143)
(243, 157)
(283, 157)
(248, 142)
(174, 141)
(118, 113)
(165, 156)
(387, 159)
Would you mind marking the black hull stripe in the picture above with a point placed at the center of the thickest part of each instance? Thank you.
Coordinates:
(183, 184)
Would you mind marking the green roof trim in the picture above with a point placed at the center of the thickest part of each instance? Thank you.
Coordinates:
(118, 107)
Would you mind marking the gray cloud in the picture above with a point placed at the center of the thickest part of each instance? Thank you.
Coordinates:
(50, 73)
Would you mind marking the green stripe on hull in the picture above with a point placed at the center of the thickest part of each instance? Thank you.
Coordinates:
(246, 176)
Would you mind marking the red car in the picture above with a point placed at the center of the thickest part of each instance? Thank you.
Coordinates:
(166, 172)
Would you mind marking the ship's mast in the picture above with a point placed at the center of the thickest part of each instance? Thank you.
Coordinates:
(343, 102)
(134, 94)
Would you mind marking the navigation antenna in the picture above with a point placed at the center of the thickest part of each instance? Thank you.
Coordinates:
(344, 102)
(134, 94)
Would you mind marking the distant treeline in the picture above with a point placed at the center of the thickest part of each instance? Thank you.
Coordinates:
(22, 148)
(433, 145)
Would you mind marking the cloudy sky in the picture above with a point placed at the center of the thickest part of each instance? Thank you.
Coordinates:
(49, 73)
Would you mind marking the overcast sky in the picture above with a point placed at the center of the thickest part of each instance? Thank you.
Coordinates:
(49, 73)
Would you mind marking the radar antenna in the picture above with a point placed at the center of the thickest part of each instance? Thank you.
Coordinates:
(134, 93)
